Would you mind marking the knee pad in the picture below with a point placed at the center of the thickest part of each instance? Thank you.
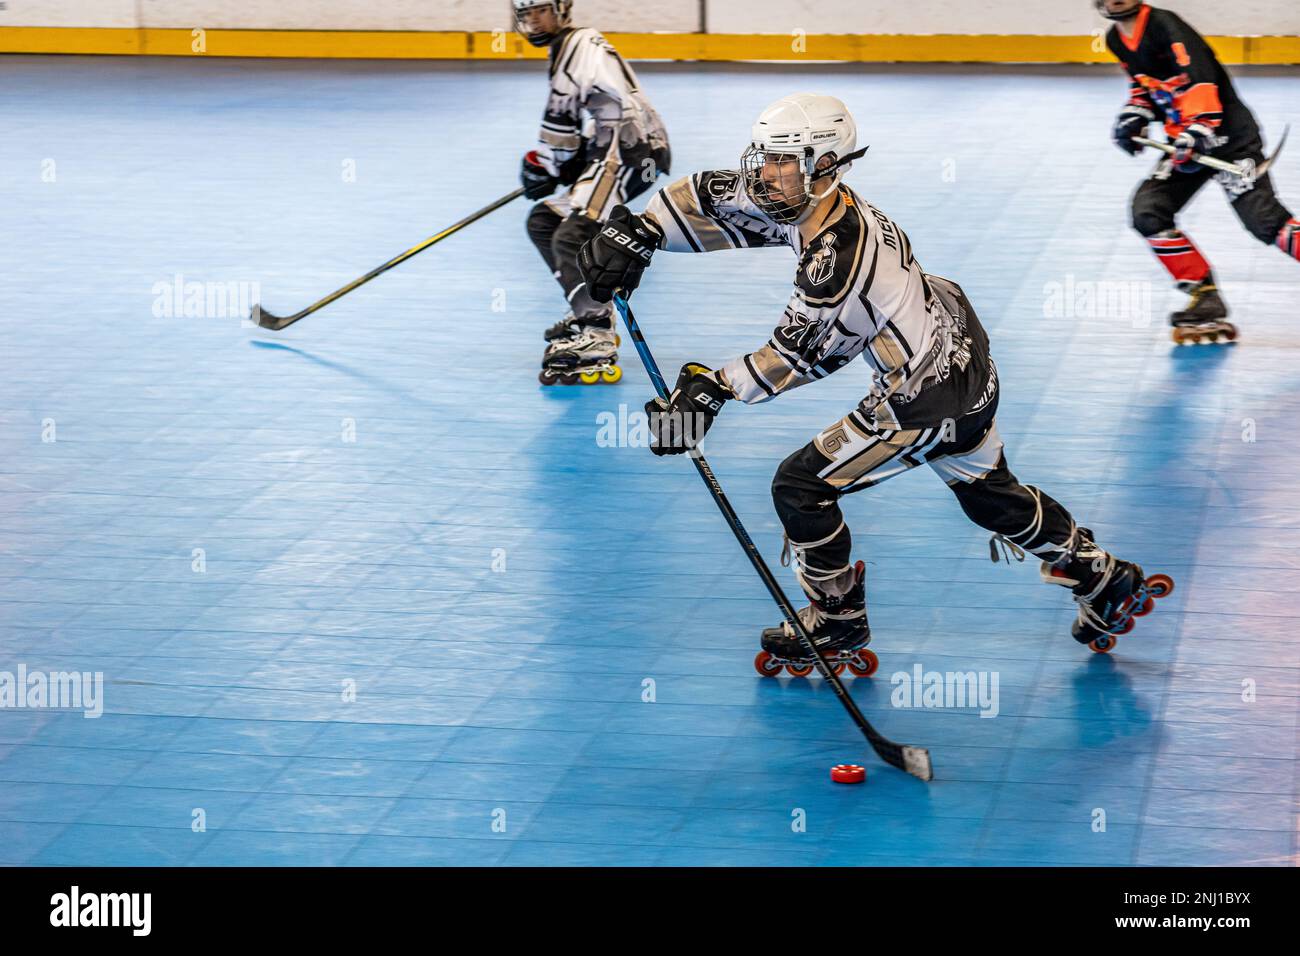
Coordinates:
(800, 497)
(542, 224)
(1148, 222)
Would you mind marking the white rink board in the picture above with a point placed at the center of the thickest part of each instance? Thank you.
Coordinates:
(1041, 17)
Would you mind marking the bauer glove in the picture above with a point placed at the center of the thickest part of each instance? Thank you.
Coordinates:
(1132, 121)
(538, 183)
(682, 422)
(616, 256)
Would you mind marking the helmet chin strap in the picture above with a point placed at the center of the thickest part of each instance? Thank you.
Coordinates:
(815, 198)
(857, 154)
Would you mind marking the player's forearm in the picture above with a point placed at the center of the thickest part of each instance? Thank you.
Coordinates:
(761, 376)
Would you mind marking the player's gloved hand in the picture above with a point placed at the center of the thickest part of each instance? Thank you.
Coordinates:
(572, 168)
(538, 183)
(1132, 121)
(616, 256)
(682, 422)
(1194, 139)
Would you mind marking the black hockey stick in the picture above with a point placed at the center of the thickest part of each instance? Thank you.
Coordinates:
(915, 760)
(275, 322)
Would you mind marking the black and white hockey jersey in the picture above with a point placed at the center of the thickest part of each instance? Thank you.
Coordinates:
(858, 290)
(596, 110)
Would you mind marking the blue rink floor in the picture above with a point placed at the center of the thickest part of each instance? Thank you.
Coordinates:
(502, 592)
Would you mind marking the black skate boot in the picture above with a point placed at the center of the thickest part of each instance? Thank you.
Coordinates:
(1205, 319)
(570, 326)
(589, 356)
(566, 328)
(1110, 593)
(838, 627)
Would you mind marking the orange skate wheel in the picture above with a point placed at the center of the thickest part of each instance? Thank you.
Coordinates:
(1124, 628)
(839, 667)
(799, 670)
(1104, 644)
(1145, 608)
(869, 663)
(848, 773)
(766, 665)
(1160, 585)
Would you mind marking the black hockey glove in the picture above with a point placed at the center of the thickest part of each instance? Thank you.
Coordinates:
(682, 422)
(1132, 121)
(538, 183)
(572, 168)
(1194, 139)
(616, 256)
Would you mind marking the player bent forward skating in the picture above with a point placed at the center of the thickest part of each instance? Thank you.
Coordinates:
(601, 141)
(858, 290)
(1177, 79)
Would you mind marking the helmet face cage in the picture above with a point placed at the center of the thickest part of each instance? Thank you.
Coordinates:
(561, 8)
(779, 183)
(1101, 8)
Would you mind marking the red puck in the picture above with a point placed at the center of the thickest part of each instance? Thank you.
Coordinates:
(848, 773)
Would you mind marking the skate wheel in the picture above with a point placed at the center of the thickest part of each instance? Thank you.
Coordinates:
(766, 665)
(1104, 644)
(611, 375)
(589, 378)
(1160, 585)
(848, 773)
(1145, 608)
(569, 379)
(546, 377)
(799, 670)
(838, 668)
(869, 663)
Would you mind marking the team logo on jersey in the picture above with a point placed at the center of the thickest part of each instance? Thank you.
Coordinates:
(721, 185)
(821, 266)
(799, 335)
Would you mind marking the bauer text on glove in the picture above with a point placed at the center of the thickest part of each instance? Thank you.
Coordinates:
(681, 423)
(616, 256)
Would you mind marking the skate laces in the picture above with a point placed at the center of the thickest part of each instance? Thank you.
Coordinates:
(810, 578)
(800, 548)
(1011, 544)
(811, 617)
(1088, 614)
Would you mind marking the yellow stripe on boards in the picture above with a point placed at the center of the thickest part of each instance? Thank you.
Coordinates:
(723, 47)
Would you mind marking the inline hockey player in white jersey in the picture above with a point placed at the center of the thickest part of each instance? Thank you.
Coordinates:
(858, 291)
(601, 145)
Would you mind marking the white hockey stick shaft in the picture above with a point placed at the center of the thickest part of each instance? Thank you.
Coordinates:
(1209, 161)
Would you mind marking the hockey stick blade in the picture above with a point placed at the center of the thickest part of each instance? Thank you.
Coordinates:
(267, 320)
(1263, 167)
(916, 761)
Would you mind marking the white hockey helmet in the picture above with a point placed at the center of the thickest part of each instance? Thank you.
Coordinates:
(791, 139)
(562, 9)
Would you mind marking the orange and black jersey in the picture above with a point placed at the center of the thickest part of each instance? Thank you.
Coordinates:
(1175, 74)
